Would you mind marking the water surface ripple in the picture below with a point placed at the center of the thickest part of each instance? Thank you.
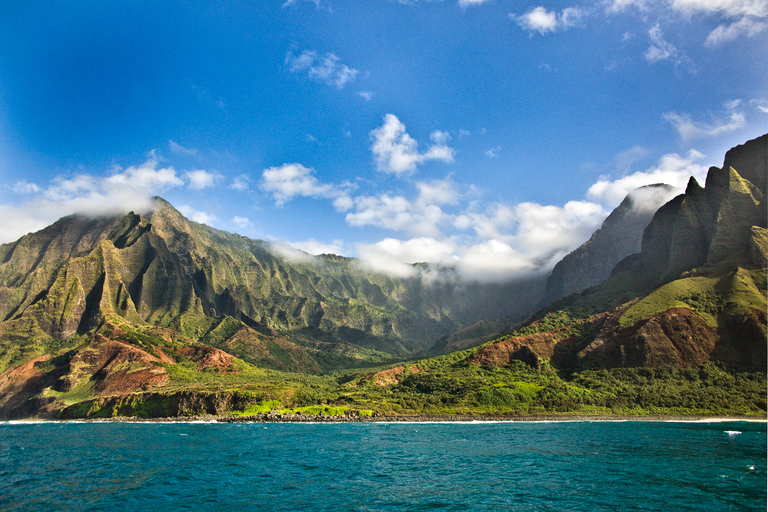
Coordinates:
(570, 466)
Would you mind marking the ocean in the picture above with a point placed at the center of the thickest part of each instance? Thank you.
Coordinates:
(546, 466)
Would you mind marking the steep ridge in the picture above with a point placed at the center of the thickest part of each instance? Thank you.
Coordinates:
(695, 292)
(619, 236)
(61, 285)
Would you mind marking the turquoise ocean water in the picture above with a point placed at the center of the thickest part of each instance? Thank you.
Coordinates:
(569, 466)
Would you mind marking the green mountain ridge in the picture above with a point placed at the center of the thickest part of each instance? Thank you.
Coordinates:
(153, 315)
(159, 269)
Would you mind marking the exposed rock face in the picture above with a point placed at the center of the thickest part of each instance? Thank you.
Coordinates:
(19, 384)
(705, 226)
(677, 337)
(116, 368)
(208, 358)
(619, 236)
(527, 349)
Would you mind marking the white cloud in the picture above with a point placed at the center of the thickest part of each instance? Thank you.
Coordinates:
(242, 222)
(196, 215)
(420, 217)
(314, 247)
(241, 182)
(493, 152)
(317, 3)
(760, 104)
(17, 222)
(366, 95)
(397, 153)
(689, 129)
(397, 213)
(200, 179)
(672, 169)
(543, 21)
(395, 257)
(145, 178)
(493, 260)
(178, 148)
(660, 48)
(746, 18)
(292, 180)
(124, 190)
(24, 188)
(466, 3)
(746, 26)
(732, 8)
(326, 69)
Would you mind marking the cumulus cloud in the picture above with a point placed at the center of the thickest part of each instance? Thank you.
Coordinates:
(124, 190)
(241, 183)
(325, 69)
(541, 20)
(200, 179)
(397, 153)
(395, 257)
(292, 180)
(420, 217)
(507, 240)
(688, 129)
(542, 233)
(197, 215)
(312, 246)
(673, 169)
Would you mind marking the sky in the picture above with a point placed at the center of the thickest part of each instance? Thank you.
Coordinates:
(490, 135)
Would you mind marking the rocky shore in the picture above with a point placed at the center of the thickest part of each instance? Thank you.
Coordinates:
(274, 417)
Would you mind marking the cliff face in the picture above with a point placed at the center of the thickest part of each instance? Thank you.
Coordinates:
(696, 290)
(619, 236)
(159, 269)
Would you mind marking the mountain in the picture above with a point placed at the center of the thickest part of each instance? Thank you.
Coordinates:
(695, 292)
(152, 315)
(297, 312)
(618, 237)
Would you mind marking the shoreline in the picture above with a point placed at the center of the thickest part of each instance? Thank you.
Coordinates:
(316, 419)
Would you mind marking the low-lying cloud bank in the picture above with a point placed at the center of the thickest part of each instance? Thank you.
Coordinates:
(440, 222)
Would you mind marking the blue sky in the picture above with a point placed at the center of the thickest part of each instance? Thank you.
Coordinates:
(493, 135)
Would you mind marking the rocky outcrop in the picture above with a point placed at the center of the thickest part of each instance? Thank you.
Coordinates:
(208, 358)
(678, 338)
(705, 226)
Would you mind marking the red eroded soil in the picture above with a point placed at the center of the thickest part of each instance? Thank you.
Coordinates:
(208, 358)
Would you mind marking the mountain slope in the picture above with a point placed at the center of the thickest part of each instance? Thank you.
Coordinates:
(159, 269)
(618, 237)
(695, 292)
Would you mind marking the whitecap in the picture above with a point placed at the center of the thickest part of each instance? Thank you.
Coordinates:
(732, 432)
